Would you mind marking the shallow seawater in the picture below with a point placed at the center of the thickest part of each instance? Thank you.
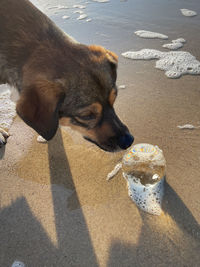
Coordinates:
(114, 22)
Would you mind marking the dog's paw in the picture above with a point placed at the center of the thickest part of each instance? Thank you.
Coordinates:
(3, 137)
(40, 139)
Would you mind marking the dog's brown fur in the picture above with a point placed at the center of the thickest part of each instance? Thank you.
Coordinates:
(58, 78)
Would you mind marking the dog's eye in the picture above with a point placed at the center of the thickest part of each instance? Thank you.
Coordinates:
(87, 117)
(86, 121)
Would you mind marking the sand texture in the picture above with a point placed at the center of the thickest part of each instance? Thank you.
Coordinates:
(56, 207)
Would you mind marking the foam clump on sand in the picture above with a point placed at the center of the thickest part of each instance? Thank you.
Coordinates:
(101, 1)
(7, 110)
(65, 17)
(151, 35)
(143, 54)
(179, 40)
(123, 86)
(175, 44)
(78, 11)
(58, 7)
(82, 16)
(174, 63)
(18, 264)
(79, 6)
(188, 127)
(188, 13)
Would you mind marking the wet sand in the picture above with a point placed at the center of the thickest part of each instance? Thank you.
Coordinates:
(57, 209)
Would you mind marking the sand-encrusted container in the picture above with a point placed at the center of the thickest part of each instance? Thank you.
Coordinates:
(144, 169)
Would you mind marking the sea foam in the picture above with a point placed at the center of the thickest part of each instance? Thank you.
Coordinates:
(101, 1)
(151, 35)
(18, 264)
(175, 44)
(65, 17)
(174, 63)
(79, 6)
(58, 7)
(82, 16)
(188, 13)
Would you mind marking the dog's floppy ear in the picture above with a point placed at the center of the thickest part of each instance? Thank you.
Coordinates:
(100, 52)
(113, 60)
(112, 57)
(38, 106)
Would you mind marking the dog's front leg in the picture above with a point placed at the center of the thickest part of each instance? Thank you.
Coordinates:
(3, 137)
(40, 139)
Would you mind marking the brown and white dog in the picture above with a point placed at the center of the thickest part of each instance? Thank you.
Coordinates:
(59, 80)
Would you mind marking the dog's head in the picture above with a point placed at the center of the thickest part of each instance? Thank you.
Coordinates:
(81, 98)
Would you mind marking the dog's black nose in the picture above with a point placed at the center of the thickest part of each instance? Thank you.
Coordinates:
(125, 141)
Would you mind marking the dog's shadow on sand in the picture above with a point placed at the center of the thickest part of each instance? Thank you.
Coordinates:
(60, 172)
(2, 152)
(22, 235)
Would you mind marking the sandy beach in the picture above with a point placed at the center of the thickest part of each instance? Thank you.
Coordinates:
(56, 207)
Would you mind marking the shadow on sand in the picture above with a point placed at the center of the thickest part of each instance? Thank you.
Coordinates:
(159, 243)
(23, 237)
(2, 152)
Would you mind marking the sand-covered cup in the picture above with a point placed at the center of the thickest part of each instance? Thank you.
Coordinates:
(144, 168)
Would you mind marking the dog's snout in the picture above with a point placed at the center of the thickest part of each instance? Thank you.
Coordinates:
(125, 141)
(122, 138)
